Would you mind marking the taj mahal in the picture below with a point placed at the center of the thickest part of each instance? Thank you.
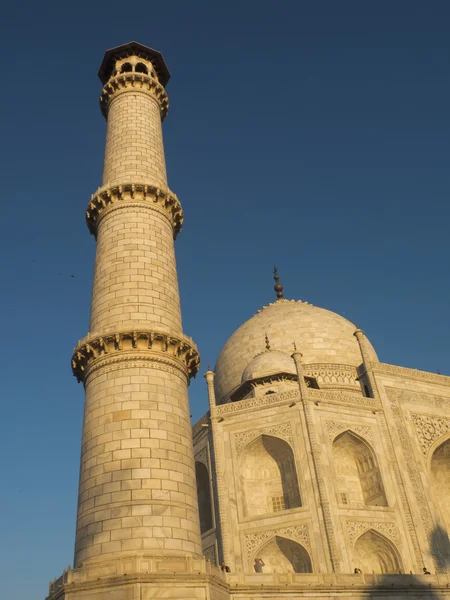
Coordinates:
(317, 471)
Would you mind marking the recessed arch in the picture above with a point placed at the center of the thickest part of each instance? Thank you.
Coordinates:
(373, 553)
(204, 497)
(440, 477)
(359, 481)
(281, 555)
(268, 476)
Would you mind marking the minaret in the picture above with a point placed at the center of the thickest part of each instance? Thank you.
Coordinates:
(137, 487)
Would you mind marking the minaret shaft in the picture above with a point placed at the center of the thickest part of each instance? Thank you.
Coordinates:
(135, 277)
(134, 143)
(137, 478)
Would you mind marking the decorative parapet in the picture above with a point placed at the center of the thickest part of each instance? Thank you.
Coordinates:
(138, 82)
(179, 349)
(330, 375)
(134, 192)
(411, 373)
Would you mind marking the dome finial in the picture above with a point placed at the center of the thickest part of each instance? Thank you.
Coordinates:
(277, 287)
(267, 343)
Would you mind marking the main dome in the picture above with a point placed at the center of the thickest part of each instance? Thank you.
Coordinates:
(321, 336)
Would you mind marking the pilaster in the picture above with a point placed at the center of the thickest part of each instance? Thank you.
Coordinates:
(317, 465)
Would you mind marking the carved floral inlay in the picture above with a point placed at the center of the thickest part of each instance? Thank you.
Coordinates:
(357, 528)
(336, 427)
(298, 533)
(182, 350)
(134, 192)
(138, 81)
(282, 431)
(429, 429)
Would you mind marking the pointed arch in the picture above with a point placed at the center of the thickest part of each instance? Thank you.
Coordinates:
(440, 477)
(204, 497)
(359, 481)
(373, 553)
(281, 555)
(268, 476)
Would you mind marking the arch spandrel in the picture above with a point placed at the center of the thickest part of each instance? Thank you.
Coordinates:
(281, 553)
(375, 553)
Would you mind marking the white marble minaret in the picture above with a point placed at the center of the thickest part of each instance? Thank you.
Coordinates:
(137, 481)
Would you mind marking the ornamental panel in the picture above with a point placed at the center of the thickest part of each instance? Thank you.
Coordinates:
(429, 429)
(298, 533)
(335, 427)
(283, 431)
(356, 528)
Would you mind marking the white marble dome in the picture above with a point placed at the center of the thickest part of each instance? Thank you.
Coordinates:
(322, 336)
(268, 363)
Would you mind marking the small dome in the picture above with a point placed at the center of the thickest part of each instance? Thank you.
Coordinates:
(268, 363)
(322, 336)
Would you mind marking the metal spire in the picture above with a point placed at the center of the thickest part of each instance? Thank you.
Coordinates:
(277, 287)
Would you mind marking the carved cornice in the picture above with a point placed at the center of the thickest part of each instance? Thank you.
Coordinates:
(130, 360)
(135, 82)
(155, 344)
(343, 398)
(134, 192)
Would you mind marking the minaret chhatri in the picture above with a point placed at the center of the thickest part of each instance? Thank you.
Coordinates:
(137, 487)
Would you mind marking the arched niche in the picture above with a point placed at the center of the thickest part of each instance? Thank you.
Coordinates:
(440, 475)
(268, 477)
(204, 497)
(359, 480)
(282, 555)
(373, 553)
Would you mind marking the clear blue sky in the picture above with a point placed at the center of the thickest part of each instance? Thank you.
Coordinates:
(310, 135)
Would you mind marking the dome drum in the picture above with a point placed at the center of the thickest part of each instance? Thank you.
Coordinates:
(249, 388)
